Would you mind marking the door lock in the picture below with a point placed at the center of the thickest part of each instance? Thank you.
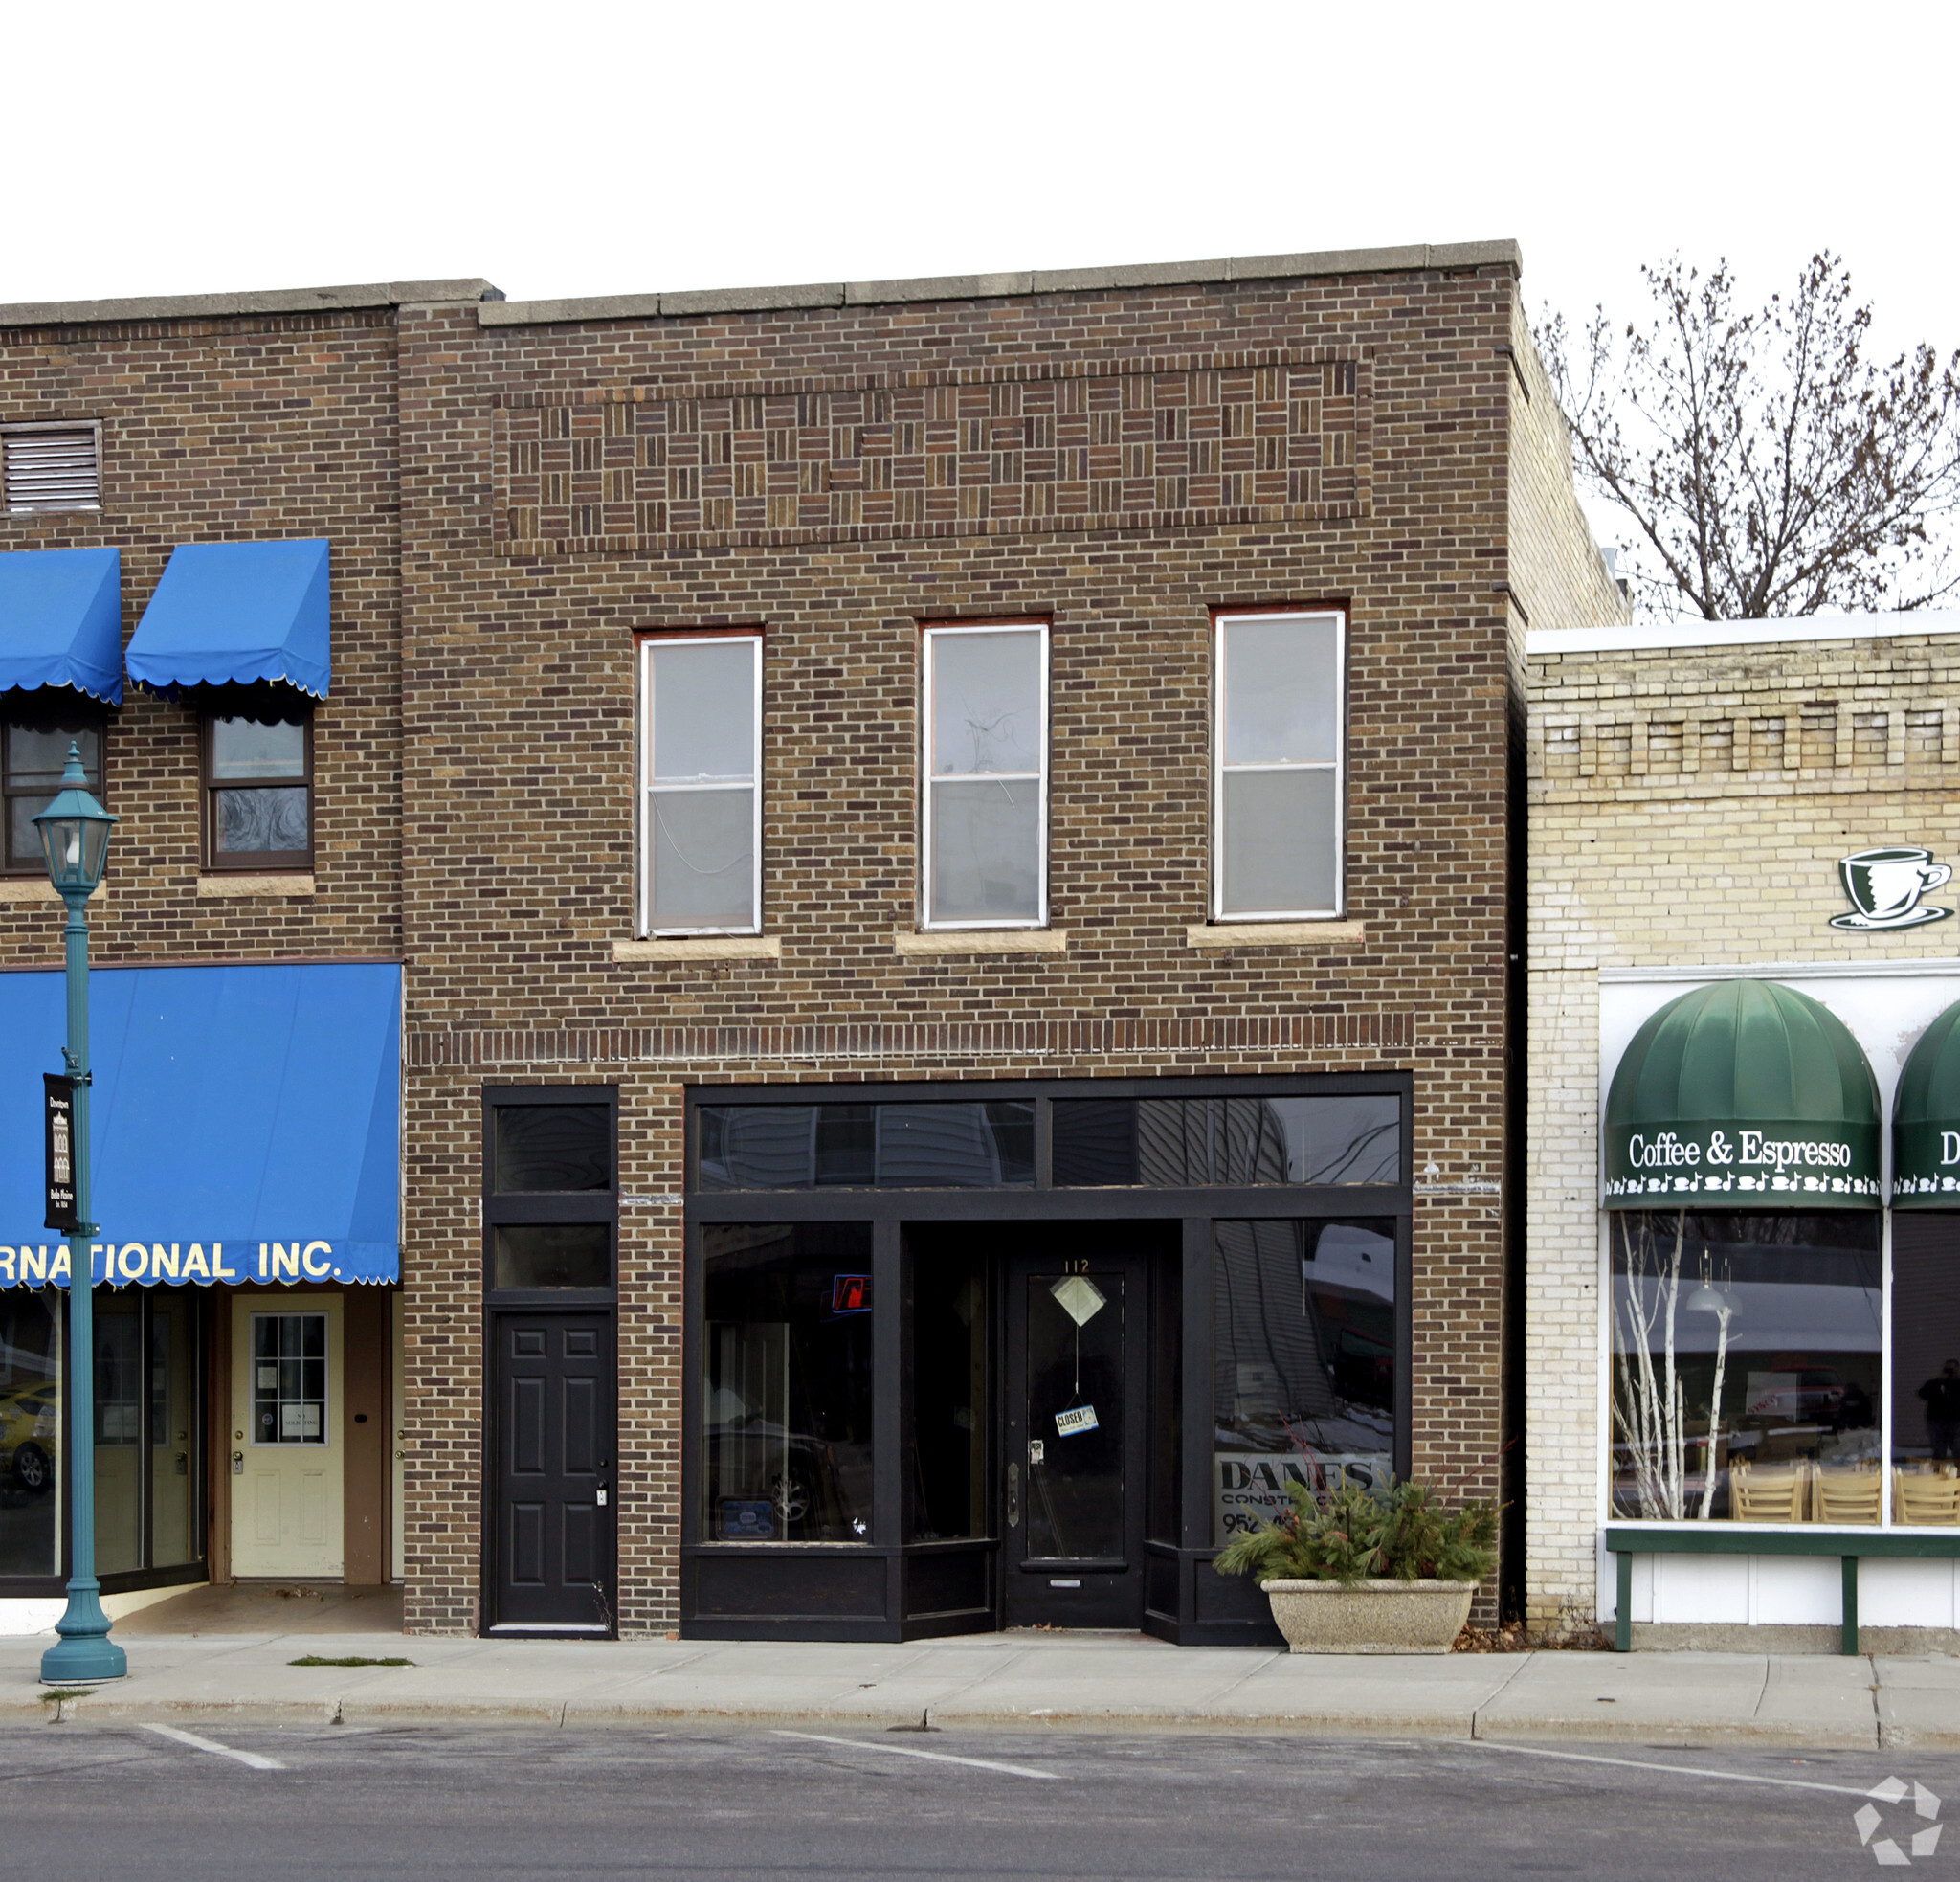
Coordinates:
(237, 1464)
(1013, 1496)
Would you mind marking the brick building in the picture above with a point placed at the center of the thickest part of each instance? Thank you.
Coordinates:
(948, 852)
(1739, 1195)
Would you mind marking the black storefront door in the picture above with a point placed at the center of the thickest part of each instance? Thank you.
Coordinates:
(1073, 1440)
(552, 1555)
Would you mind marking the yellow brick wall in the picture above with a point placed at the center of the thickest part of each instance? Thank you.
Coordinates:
(1689, 805)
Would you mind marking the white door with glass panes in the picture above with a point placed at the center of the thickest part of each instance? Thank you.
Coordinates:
(287, 1460)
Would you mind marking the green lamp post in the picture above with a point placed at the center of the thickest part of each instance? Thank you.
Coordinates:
(74, 838)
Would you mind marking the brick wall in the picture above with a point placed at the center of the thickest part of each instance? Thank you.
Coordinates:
(229, 429)
(538, 544)
(1688, 805)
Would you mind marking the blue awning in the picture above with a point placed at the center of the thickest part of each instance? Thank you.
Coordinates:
(227, 614)
(246, 1123)
(61, 620)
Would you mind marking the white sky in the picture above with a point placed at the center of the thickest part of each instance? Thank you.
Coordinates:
(600, 148)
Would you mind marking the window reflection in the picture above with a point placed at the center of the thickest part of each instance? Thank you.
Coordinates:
(947, 1434)
(1190, 1142)
(1304, 1363)
(30, 1431)
(1746, 1366)
(895, 1146)
(787, 1383)
(1926, 1368)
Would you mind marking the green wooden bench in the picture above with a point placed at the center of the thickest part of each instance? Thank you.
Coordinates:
(1627, 1540)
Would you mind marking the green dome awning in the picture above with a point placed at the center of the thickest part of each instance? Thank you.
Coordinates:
(1925, 1120)
(1742, 1095)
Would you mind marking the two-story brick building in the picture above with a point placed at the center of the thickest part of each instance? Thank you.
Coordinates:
(948, 851)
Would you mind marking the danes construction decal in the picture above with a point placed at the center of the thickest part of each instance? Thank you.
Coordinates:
(149, 1264)
(1774, 1162)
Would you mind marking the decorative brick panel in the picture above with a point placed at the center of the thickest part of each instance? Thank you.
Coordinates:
(1232, 439)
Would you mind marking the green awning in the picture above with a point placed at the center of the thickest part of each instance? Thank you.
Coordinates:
(1925, 1120)
(1742, 1095)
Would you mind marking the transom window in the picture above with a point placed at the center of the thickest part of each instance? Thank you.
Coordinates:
(1278, 784)
(259, 787)
(986, 776)
(36, 731)
(289, 1378)
(700, 719)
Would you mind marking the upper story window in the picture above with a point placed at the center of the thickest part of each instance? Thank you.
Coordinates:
(51, 466)
(701, 818)
(986, 776)
(36, 728)
(258, 757)
(1278, 784)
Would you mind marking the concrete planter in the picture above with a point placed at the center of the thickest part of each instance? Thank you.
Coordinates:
(1372, 1617)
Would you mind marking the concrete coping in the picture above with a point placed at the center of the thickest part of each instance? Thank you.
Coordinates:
(1414, 258)
(221, 306)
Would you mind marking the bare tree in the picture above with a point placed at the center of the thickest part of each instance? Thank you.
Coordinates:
(1768, 467)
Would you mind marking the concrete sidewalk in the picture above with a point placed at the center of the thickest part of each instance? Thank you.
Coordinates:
(1097, 1680)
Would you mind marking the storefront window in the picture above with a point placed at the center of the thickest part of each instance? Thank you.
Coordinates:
(787, 1383)
(954, 1145)
(1304, 1363)
(29, 1432)
(1746, 1356)
(948, 1429)
(1926, 1368)
(1183, 1143)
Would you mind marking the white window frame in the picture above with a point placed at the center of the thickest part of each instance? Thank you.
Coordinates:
(932, 635)
(643, 793)
(1338, 763)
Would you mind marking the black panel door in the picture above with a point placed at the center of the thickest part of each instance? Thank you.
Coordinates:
(1073, 1460)
(552, 1567)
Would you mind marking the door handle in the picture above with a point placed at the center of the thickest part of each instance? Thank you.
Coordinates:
(1013, 1496)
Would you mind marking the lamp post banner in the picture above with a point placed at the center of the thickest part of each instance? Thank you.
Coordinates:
(58, 1117)
(1727, 1163)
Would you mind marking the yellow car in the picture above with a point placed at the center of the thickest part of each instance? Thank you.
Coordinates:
(29, 1416)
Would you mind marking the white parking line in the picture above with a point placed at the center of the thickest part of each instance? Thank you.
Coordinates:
(211, 1746)
(937, 1757)
(1671, 1770)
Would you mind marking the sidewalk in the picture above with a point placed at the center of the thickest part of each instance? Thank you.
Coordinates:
(1100, 1680)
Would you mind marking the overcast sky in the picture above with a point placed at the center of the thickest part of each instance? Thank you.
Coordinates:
(604, 148)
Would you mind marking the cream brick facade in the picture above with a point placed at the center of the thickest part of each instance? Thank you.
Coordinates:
(1688, 806)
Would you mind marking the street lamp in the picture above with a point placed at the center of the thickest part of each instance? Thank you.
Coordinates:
(75, 838)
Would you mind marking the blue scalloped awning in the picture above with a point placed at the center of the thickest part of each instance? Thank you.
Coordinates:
(246, 1123)
(229, 614)
(61, 620)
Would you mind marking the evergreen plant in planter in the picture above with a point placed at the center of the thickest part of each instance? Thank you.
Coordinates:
(1368, 1571)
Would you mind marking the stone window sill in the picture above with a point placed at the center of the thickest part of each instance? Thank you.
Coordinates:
(1216, 937)
(39, 888)
(983, 941)
(700, 947)
(238, 888)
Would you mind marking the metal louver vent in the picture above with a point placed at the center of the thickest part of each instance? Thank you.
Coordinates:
(52, 466)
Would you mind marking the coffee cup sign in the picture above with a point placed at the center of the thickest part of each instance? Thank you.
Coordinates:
(1884, 885)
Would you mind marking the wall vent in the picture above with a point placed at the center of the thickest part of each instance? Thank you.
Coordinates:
(48, 467)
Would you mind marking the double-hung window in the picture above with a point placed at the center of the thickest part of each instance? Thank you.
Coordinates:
(1278, 784)
(258, 784)
(36, 728)
(986, 776)
(701, 816)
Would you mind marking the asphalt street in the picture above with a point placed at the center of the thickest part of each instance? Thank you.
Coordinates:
(160, 1803)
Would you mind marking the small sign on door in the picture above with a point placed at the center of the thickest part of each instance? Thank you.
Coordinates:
(1071, 1423)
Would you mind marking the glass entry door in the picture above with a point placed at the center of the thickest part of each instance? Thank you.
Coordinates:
(1073, 1460)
